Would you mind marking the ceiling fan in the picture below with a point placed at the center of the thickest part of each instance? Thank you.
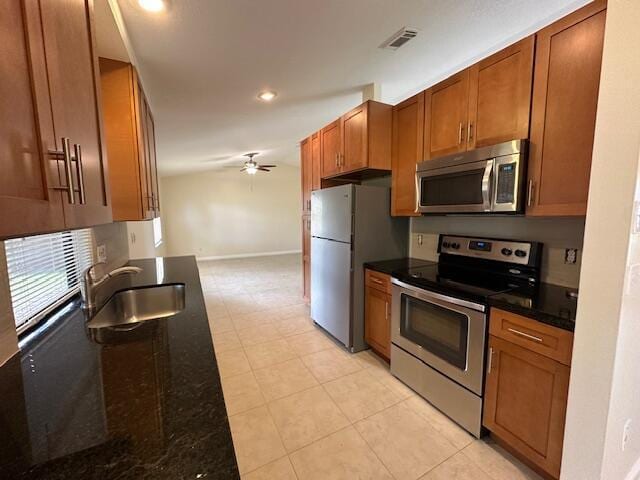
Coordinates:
(252, 167)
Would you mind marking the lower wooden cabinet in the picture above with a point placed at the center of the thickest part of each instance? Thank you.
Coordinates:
(377, 315)
(525, 402)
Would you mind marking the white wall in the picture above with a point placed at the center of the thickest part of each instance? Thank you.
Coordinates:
(218, 213)
(605, 376)
(141, 240)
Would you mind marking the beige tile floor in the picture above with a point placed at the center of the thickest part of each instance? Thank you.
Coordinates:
(302, 408)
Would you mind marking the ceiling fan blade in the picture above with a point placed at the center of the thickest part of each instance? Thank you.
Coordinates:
(243, 169)
(262, 169)
(268, 166)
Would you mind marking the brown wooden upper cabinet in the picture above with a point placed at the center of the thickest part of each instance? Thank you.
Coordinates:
(306, 170)
(360, 139)
(565, 97)
(316, 179)
(485, 104)
(53, 163)
(130, 139)
(406, 152)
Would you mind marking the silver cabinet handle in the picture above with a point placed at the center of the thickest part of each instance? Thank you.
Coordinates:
(375, 280)
(490, 366)
(470, 131)
(530, 193)
(80, 170)
(460, 133)
(525, 335)
(337, 160)
(386, 310)
(66, 152)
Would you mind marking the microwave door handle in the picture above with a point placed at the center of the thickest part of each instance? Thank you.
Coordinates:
(486, 186)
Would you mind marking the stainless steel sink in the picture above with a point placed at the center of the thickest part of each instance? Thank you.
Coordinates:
(126, 310)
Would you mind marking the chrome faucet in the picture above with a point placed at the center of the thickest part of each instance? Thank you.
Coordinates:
(90, 285)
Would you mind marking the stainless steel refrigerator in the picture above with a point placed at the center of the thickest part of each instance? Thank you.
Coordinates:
(350, 225)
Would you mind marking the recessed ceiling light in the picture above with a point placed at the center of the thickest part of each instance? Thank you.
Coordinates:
(267, 95)
(152, 5)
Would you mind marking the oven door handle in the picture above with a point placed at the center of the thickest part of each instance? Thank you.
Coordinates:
(487, 183)
(438, 296)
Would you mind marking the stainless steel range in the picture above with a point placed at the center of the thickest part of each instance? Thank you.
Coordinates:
(439, 319)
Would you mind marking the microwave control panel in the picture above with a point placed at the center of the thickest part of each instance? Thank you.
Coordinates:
(505, 191)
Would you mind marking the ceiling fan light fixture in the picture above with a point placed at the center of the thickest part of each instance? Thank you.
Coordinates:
(267, 95)
(152, 5)
(252, 170)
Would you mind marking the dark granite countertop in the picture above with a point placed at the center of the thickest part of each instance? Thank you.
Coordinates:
(550, 304)
(145, 404)
(390, 266)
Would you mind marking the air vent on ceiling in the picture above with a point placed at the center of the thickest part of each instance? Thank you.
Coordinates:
(399, 38)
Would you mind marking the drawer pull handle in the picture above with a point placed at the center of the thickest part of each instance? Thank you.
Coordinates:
(386, 310)
(525, 335)
(375, 280)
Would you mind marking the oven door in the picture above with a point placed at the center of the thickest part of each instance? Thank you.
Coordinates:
(465, 188)
(448, 334)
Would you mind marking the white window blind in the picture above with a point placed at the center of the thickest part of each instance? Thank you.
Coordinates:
(44, 270)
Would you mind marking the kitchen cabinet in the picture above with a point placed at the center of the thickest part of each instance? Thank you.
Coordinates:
(500, 96)
(55, 173)
(446, 110)
(565, 98)
(377, 312)
(406, 152)
(316, 177)
(306, 174)
(130, 139)
(306, 257)
(526, 388)
(359, 140)
(485, 104)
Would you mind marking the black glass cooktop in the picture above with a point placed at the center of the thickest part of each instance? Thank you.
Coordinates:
(473, 284)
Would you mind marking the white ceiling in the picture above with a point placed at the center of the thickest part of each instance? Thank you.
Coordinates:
(203, 62)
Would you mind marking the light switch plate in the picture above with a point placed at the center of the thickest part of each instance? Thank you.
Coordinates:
(102, 253)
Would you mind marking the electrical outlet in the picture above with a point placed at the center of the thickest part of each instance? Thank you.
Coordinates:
(570, 256)
(102, 253)
(420, 239)
(626, 434)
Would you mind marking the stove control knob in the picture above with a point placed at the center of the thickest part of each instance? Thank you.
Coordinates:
(455, 246)
(446, 244)
(520, 253)
(507, 252)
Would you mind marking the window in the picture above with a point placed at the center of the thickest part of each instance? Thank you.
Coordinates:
(45, 270)
(157, 232)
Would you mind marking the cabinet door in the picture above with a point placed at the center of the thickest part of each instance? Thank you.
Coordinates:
(406, 152)
(500, 96)
(563, 117)
(28, 200)
(315, 162)
(525, 402)
(446, 110)
(377, 326)
(354, 139)
(330, 140)
(143, 151)
(153, 163)
(72, 68)
(306, 172)
(306, 257)
(117, 80)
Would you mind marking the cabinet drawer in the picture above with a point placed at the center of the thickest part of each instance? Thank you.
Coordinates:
(377, 280)
(546, 340)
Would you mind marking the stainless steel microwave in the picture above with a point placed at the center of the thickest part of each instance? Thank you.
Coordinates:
(484, 180)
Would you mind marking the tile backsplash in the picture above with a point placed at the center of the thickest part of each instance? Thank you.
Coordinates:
(112, 235)
(557, 234)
